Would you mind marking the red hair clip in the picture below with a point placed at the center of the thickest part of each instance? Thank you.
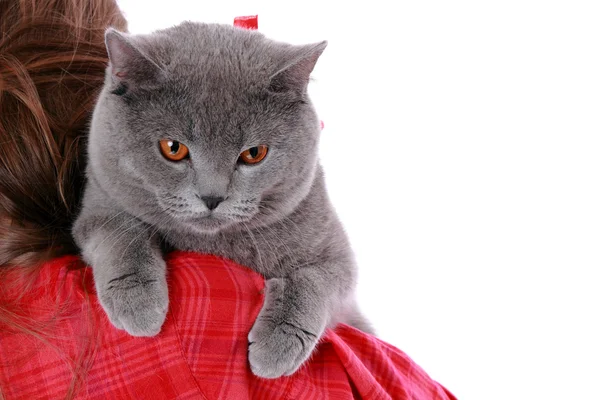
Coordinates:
(247, 22)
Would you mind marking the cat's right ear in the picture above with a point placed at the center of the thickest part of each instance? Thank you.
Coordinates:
(130, 68)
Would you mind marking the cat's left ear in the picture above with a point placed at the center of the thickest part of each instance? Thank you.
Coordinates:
(294, 73)
(130, 68)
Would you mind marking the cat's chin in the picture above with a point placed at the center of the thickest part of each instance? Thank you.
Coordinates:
(209, 224)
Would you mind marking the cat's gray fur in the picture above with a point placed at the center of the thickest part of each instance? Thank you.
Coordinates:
(219, 90)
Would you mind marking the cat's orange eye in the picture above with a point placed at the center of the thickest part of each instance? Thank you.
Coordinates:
(254, 155)
(173, 150)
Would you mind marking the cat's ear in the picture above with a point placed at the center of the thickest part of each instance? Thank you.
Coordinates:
(294, 73)
(130, 68)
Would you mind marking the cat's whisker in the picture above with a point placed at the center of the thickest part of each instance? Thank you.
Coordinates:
(122, 234)
(287, 248)
(282, 218)
(255, 245)
(144, 230)
(117, 233)
(268, 242)
(111, 219)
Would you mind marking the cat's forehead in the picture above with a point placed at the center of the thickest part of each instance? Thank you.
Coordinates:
(218, 54)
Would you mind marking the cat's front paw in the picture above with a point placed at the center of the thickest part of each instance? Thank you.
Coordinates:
(135, 304)
(277, 349)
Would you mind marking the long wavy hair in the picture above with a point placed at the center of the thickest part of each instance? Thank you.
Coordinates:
(52, 63)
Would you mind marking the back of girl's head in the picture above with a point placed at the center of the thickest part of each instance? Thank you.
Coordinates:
(52, 61)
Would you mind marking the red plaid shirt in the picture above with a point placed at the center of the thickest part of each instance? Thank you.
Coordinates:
(201, 352)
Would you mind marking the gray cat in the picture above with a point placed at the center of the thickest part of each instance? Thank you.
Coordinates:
(204, 139)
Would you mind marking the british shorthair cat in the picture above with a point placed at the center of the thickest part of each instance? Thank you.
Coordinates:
(204, 139)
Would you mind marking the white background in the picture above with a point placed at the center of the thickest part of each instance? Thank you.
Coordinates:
(461, 146)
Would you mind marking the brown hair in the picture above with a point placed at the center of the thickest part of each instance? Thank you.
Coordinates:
(52, 62)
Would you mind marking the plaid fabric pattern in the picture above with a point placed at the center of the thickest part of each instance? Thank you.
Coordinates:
(201, 352)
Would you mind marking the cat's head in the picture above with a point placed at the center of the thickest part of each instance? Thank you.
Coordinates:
(205, 126)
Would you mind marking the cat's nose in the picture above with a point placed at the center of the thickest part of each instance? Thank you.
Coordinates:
(212, 201)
